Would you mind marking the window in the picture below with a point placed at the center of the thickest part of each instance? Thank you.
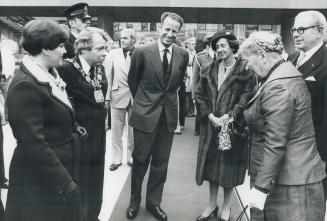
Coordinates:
(129, 25)
(201, 26)
(116, 26)
(153, 26)
(144, 26)
(229, 27)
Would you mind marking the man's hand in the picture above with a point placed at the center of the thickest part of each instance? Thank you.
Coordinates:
(257, 199)
(107, 104)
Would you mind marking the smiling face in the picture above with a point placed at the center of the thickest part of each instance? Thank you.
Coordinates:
(169, 30)
(126, 41)
(310, 37)
(98, 51)
(224, 51)
(55, 55)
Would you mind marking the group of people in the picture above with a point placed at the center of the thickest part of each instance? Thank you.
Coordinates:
(252, 106)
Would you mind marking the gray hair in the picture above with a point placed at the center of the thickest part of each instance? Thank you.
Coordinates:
(85, 38)
(263, 41)
(318, 17)
(130, 32)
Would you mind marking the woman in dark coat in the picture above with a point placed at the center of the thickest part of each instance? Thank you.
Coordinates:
(44, 167)
(224, 88)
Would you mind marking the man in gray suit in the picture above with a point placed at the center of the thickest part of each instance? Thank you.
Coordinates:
(117, 65)
(156, 72)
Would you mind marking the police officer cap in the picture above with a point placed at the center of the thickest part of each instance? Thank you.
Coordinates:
(221, 34)
(79, 10)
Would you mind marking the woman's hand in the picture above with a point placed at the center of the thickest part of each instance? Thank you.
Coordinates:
(215, 121)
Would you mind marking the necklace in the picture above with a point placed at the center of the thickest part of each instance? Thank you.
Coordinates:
(272, 70)
(96, 81)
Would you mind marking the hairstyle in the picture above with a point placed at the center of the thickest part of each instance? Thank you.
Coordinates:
(130, 32)
(140, 36)
(84, 39)
(173, 16)
(263, 41)
(317, 17)
(42, 34)
(233, 44)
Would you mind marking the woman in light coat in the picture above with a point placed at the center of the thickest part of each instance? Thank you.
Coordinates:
(285, 168)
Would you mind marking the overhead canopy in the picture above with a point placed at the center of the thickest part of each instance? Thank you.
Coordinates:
(269, 4)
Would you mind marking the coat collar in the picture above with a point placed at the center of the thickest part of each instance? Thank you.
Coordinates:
(56, 84)
(285, 70)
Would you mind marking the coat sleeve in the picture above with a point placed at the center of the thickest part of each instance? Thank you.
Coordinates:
(323, 141)
(27, 127)
(202, 98)
(277, 109)
(196, 74)
(135, 71)
(109, 70)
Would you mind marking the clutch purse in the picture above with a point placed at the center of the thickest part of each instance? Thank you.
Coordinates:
(224, 138)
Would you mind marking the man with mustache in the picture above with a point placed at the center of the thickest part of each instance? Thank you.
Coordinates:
(311, 60)
(156, 72)
(86, 87)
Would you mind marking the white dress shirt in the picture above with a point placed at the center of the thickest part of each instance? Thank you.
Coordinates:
(161, 51)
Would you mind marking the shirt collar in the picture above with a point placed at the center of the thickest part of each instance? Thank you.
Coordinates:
(86, 67)
(162, 47)
(308, 54)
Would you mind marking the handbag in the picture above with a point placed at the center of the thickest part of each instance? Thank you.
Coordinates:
(224, 138)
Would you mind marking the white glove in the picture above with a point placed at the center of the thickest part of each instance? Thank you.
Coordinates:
(257, 199)
(217, 121)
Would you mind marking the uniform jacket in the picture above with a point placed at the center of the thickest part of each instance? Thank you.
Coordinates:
(283, 145)
(46, 158)
(146, 82)
(89, 113)
(315, 75)
(70, 46)
(200, 60)
(117, 68)
(237, 89)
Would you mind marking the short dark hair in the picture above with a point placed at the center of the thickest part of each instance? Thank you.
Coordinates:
(234, 45)
(42, 34)
(173, 16)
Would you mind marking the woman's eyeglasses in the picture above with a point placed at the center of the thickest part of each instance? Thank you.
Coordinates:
(301, 30)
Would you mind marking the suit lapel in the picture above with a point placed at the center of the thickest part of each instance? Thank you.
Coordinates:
(175, 61)
(122, 61)
(307, 68)
(157, 64)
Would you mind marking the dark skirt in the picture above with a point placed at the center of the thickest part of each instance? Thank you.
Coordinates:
(225, 168)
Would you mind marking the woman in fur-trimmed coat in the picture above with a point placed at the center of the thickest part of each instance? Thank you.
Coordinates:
(225, 87)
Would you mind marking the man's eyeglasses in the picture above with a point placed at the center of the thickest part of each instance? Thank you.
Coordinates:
(301, 30)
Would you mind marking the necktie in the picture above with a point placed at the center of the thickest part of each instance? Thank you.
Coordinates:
(92, 69)
(165, 65)
(299, 61)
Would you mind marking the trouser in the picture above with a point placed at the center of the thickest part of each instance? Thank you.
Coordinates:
(154, 147)
(118, 122)
(197, 120)
(182, 104)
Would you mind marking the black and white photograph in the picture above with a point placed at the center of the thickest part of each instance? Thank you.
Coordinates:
(178, 110)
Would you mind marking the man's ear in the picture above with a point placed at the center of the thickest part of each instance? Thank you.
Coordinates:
(45, 51)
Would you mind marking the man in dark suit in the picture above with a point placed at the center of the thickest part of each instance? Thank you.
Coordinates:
(156, 72)
(311, 60)
(77, 19)
(86, 88)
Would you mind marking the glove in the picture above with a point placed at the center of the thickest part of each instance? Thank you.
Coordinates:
(257, 199)
(71, 189)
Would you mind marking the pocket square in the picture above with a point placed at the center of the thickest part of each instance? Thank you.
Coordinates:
(311, 78)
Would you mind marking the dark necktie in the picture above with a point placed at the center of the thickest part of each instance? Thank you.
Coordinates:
(92, 70)
(165, 65)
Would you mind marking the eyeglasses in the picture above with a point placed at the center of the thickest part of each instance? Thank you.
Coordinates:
(301, 30)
